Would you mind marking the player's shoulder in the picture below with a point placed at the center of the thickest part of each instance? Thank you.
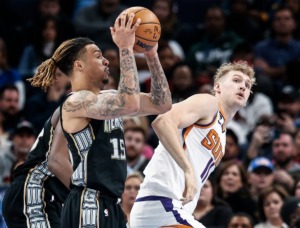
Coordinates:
(204, 99)
(79, 96)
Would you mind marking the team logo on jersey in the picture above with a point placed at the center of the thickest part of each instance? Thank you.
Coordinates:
(113, 124)
(106, 213)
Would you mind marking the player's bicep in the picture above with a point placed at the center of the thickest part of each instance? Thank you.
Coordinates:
(102, 106)
(193, 109)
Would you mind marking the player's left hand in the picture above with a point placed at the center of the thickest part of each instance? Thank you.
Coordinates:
(190, 186)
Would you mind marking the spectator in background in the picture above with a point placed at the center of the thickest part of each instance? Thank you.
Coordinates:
(93, 21)
(260, 176)
(135, 139)
(239, 21)
(296, 189)
(45, 42)
(48, 8)
(290, 212)
(270, 202)
(211, 211)
(182, 82)
(43, 105)
(272, 56)
(283, 149)
(10, 76)
(172, 29)
(9, 107)
(23, 139)
(261, 138)
(232, 187)
(2, 222)
(215, 46)
(294, 6)
(131, 188)
(232, 149)
(240, 220)
(297, 145)
(288, 109)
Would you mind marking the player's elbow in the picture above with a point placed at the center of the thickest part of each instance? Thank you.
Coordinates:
(165, 108)
(133, 105)
(133, 108)
(157, 123)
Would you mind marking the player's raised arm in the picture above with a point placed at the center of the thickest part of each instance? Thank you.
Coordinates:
(183, 115)
(89, 104)
(159, 99)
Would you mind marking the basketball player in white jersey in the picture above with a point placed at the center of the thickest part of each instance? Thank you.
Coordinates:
(192, 143)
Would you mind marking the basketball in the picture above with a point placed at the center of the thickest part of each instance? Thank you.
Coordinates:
(148, 32)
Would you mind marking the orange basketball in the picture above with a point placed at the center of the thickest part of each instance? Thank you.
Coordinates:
(148, 32)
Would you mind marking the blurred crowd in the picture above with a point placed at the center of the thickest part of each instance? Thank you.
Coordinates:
(257, 183)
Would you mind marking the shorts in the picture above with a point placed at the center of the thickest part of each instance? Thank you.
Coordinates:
(158, 211)
(33, 207)
(86, 207)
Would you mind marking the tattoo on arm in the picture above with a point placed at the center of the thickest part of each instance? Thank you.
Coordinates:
(129, 81)
(160, 92)
(107, 106)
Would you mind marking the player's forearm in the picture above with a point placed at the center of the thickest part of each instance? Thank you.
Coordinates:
(160, 91)
(129, 86)
(167, 133)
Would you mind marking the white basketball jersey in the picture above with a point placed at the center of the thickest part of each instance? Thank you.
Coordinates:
(204, 145)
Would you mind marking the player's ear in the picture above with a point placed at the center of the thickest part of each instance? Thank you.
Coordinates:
(217, 88)
(78, 65)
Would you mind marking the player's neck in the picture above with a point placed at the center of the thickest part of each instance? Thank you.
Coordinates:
(84, 86)
(80, 82)
(228, 111)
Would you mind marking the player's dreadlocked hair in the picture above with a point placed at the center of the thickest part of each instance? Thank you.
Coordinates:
(63, 58)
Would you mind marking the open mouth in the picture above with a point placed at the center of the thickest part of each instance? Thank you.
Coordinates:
(107, 71)
(240, 95)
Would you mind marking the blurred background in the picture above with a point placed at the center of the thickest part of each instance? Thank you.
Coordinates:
(260, 172)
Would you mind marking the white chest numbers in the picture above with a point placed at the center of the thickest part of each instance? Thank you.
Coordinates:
(119, 149)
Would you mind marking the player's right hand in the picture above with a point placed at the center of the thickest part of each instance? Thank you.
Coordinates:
(190, 186)
(123, 33)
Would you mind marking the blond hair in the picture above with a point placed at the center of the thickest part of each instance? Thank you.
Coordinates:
(135, 174)
(63, 58)
(240, 66)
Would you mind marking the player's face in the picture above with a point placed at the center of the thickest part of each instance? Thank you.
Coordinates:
(96, 66)
(235, 88)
